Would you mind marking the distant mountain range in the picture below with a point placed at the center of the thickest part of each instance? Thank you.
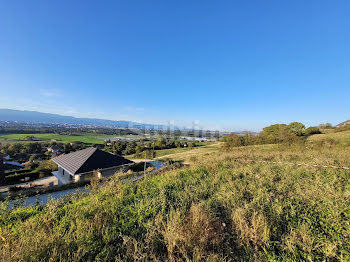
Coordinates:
(24, 116)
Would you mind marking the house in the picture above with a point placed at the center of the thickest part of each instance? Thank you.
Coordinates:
(80, 165)
(55, 150)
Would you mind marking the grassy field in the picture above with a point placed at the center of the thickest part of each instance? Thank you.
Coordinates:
(327, 130)
(88, 138)
(184, 152)
(219, 209)
(340, 137)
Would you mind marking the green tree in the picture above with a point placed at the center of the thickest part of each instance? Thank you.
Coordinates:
(297, 128)
(14, 148)
(31, 148)
(277, 133)
(232, 140)
(160, 143)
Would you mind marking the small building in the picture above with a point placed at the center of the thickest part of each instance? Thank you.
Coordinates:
(80, 165)
(55, 150)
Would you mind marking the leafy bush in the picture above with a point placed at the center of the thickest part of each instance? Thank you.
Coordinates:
(312, 131)
(46, 167)
(20, 171)
(16, 178)
(232, 140)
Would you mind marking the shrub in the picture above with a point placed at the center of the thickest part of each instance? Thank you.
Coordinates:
(312, 130)
(46, 167)
(16, 178)
(232, 140)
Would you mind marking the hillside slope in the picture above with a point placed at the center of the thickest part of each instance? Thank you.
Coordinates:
(217, 210)
(344, 123)
(337, 137)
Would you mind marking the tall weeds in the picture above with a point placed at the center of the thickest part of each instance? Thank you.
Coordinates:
(217, 210)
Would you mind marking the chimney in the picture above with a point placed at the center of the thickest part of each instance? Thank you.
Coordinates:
(2, 170)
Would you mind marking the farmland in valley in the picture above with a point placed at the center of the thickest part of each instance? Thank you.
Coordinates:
(88, 138)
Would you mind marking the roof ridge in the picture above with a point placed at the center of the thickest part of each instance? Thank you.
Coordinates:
(93, 150)
(92, 153)
(91, 158)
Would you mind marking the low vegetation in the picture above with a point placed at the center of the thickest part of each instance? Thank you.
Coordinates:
(222, 207)
(42, 169)
(219, 209)
(331, 138)
(273, 134)
(151, 147)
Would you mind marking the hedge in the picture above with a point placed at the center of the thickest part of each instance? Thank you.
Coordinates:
(21, 171)
(16, 178)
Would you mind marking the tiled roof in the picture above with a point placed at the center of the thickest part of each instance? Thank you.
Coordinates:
(89, 159)
(56, 147)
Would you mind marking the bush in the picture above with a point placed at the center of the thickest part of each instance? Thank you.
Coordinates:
(138, 167)
(16, 178)
(20, 171)
(312, 130)
(278, 133)
(232, 140)
(46, 167)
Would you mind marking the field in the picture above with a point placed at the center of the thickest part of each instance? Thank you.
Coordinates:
(218, 209)
(340, 137)
(88, 138)
(184, 152)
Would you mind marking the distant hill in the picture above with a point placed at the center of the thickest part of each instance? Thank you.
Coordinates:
(343, 124)
(38, 117)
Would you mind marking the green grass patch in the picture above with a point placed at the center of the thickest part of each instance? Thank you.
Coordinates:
(88, 138)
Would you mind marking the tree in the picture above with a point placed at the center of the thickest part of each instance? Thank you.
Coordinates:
(130, 148)
(297, 128)
(46, 167)
(160, 143)
(31, 148)
(277, 133)
(67, 148)
(232, 140)
(14, 148)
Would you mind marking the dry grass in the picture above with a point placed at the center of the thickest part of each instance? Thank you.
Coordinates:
(340, 137)
(216, 210)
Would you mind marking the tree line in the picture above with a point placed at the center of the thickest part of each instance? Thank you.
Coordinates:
(273, 134)
(139, 147)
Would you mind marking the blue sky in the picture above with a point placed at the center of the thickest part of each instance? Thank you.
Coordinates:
(230, 65)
